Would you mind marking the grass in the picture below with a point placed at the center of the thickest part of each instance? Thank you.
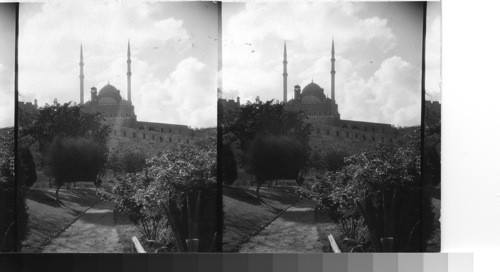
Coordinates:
(244, 215)
(126, 230)
(47, 218)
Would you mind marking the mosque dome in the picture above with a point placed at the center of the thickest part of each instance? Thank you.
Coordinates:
(107, 101)
(312, 93)
(109, 91)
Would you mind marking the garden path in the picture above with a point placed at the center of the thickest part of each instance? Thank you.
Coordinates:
(293, 231)
(93, 232)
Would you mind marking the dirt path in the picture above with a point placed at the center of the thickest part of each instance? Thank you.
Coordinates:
(94, 231)
(292, 231)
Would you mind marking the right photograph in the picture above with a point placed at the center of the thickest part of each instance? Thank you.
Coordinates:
(330, 123)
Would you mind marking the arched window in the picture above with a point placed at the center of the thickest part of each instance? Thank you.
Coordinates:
(327, 132)
(364, 138)
(170, 140)
(337, 133)
(124, 134)
(318, 131)
(133, 134)
(141, 128)
(373, 138)
(144, 135)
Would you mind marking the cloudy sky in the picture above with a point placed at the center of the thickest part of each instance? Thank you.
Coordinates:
(174, 55)
(7, 52)
(378, 55)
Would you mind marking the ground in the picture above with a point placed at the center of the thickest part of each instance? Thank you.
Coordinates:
(245, 216)
(293, 231)
(54, 226)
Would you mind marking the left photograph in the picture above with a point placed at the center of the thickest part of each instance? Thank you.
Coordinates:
(117, 119)
(10, 198)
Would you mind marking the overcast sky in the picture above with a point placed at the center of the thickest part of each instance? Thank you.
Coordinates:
(378, 54)
(173, 46)
(7, 52)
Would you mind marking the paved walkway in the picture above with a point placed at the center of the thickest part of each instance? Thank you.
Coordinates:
(293, 231)
(94, 232)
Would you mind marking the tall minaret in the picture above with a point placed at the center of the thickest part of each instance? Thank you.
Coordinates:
(285, 75)
(81, 74)
(332, 74)
(129, 74)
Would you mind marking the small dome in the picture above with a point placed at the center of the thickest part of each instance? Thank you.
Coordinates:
(124, 102)
(313, 89)
(109, 91)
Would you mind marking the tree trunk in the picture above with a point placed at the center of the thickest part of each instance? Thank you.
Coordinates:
(57, 192)
(258, 189)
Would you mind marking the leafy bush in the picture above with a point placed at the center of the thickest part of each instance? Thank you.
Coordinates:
(177, 190)
(75, 159)
(13, 215)
(273, 157)
(229, 165)
(383, 187)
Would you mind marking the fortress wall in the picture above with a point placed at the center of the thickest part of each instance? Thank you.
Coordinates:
(321, 133)
(145, 136)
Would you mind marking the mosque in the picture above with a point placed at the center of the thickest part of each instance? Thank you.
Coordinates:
(322, 112)
(119, 114)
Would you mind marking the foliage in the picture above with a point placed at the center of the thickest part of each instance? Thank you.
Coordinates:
(27, 167)
(383, 187)
(229, 165)
(75, 159)
(65, 120)
(126, 159)
(167, 189)
(267, 118)
(14, 216)
(327, 159)
(432, 149)
(273, 158)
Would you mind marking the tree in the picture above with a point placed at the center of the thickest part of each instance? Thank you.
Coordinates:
(182, 184)
(383, 186)
(75, 159)
(27, 167)
(273, 158)
(126, 158)
(65, 120)
(327, 159)
(267, 118)
(13, 215)
(229, 166)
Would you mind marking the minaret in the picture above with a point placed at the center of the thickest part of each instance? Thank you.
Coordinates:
(285, 75)
(332, 74)
(129, 74)
(81, 74)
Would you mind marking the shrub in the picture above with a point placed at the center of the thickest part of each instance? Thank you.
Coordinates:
(75, 159)
(13, 215)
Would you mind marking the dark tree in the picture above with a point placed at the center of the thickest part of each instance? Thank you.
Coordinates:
(27, 166)
(13, 210)
(229, 165)
(65, 120)
(75, 159)
(267, 119)
(273, 158)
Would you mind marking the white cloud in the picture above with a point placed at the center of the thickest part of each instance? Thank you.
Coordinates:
(49, 52)
(391, 95)
(253, 54)
(433, 60)
(183, 97)
(6, 96)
